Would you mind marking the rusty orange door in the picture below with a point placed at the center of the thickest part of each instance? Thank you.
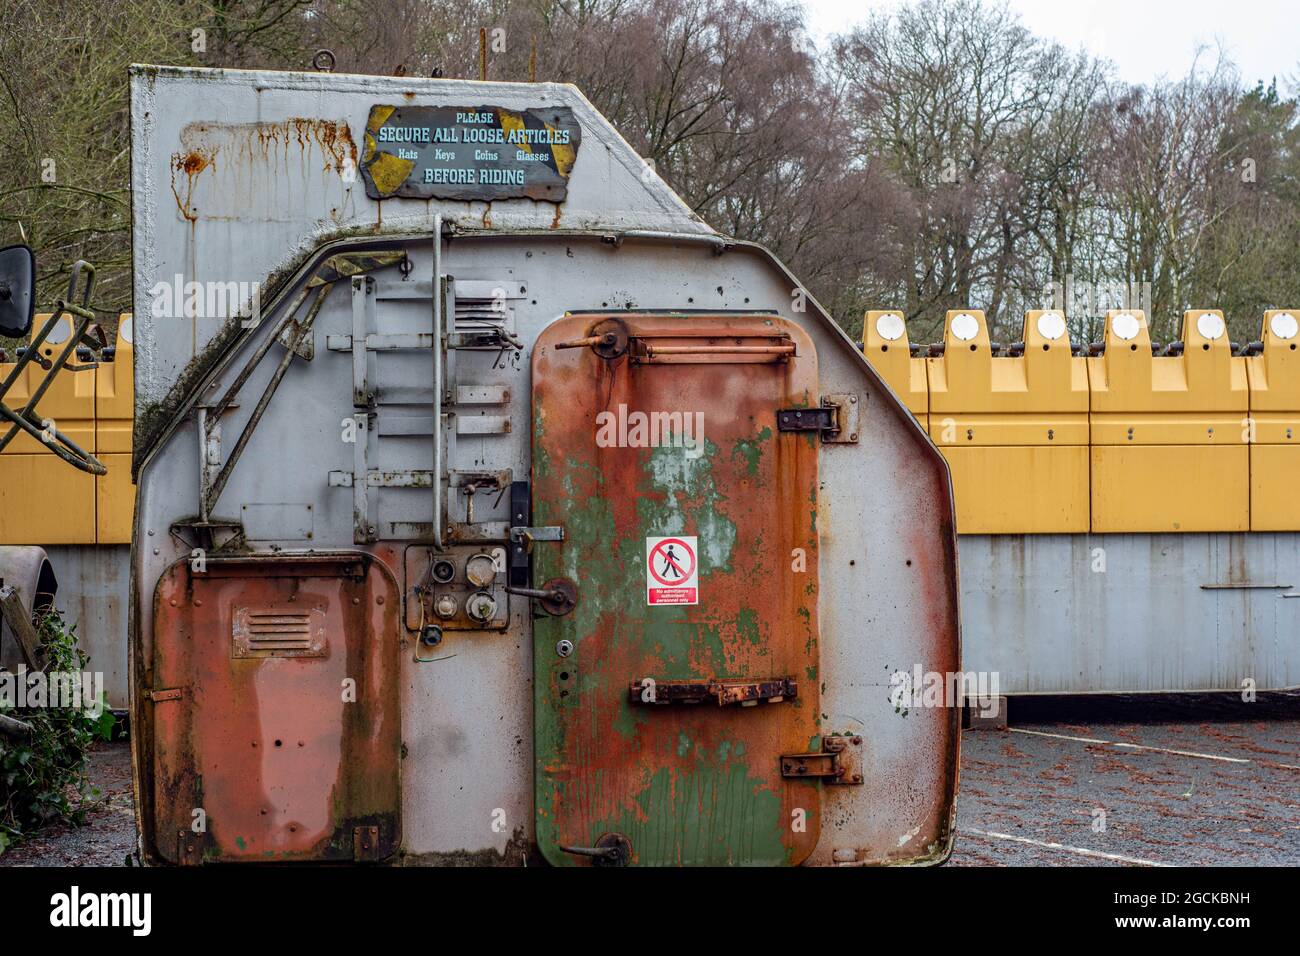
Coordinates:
(666, 698)
(274, 705)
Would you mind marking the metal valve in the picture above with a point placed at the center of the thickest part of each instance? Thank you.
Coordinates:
(481, 607)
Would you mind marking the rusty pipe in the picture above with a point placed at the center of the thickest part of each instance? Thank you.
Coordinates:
(653, 350)
(591, 341)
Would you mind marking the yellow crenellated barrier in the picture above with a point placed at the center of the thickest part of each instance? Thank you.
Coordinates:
(1274, 379)
(1014, 429)
(1169, 438)
(885, 338)
(44, 500)
(1043, 441)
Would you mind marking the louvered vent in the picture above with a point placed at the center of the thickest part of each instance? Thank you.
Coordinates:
(486, 302)
(279, 632)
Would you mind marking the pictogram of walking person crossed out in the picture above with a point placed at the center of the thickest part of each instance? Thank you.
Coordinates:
(671, 570)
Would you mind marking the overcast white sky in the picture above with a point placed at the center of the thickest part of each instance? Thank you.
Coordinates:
(1145, 38)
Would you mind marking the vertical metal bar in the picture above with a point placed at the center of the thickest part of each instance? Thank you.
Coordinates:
(363, 529)
(436, 292)
(362, 397)
(521, 515)
(204, 473)
(362, 287)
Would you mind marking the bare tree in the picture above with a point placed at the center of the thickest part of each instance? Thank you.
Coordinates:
(1162, 149)
(984, 126)
(937, 156)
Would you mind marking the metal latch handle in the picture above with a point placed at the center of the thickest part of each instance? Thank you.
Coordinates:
(746, 693)
(612, 849)
(527, 536)
(558, 597)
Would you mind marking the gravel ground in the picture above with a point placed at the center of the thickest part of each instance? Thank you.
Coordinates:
(1097, 788)
(108, 836)
(1113, 782)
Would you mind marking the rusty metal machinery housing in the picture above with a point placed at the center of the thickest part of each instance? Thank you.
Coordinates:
(490, 539)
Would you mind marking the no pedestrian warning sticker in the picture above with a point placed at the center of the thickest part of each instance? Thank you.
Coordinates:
(672, 572)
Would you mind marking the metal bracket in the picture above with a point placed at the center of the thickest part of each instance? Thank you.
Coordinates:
(528, 536)
(397, 478)
(158, 696)
(365, 844)
(839, 763)
(847, 414)
(189, 848)
(380, 342)
(521, 511)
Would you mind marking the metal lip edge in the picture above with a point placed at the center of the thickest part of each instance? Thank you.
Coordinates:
(308, 78)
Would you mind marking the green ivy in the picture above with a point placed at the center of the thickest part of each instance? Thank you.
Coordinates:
(44, 780)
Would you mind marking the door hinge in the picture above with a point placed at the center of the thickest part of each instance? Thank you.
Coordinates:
(158, 696)
(838, 763)
(836, 419)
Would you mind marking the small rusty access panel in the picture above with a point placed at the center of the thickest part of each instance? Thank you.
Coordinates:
(839, 762)
(247, 719)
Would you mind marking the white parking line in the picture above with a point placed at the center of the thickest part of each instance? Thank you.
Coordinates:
(1162, 750)
(1081, 851)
